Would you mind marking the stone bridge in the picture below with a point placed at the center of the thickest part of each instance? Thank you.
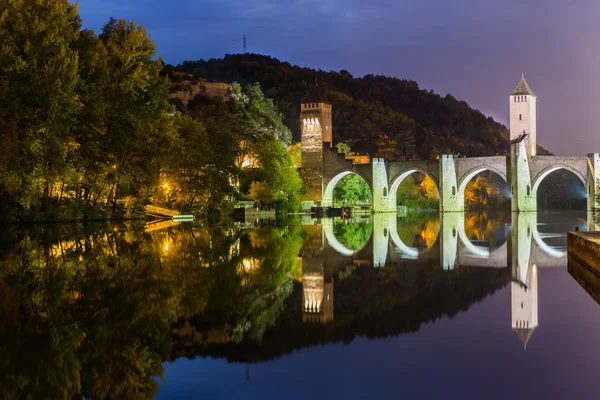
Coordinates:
(522, 173)
(522, 170)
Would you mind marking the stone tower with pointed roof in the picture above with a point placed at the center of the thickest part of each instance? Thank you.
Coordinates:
(317, 132)
(523, 115)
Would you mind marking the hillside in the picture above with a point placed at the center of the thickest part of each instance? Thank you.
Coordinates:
(365, 109)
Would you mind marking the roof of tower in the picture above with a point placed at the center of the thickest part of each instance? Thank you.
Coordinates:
(522, 89)
(524, 334)
(315, 96)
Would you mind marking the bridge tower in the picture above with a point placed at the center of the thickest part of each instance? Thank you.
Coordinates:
(523, 142)
(316, 130)
(523, 115)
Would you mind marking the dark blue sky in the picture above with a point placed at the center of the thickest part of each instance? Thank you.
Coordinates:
(473, 49)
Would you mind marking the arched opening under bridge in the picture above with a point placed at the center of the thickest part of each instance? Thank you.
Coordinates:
(483, 189)
(415, 189)
(348, 189)
(560, 187)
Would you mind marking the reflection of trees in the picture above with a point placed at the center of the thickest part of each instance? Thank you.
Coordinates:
(87, 316)
(419, 230)
(480, 226)
(353, 235)
(94, 314)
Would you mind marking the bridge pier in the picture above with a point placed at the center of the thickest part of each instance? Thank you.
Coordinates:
(450, 199)
(381, 189)
(523, 197)
(593, 181)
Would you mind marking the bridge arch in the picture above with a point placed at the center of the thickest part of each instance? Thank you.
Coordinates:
(332, 183)
(470, 174)
(338, 246)
(537, 180)
(397, 180)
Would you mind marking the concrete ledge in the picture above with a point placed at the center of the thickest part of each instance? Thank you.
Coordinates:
(585, 247)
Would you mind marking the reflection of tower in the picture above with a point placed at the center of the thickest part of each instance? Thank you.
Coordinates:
(524, 301)
(317, 294)
(524, 288)
(317, 299)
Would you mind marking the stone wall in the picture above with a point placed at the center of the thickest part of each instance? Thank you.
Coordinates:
(185, 87)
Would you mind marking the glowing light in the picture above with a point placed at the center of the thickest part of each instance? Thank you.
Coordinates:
(166, 247)
(534, 270)
(166, 185)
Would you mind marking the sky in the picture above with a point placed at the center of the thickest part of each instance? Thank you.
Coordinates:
(475, 50)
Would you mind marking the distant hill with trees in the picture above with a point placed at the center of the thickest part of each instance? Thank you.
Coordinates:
(372, 114)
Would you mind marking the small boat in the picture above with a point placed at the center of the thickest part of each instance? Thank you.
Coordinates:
(183, 218)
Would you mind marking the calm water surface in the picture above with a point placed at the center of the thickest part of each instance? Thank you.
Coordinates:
(458, 306)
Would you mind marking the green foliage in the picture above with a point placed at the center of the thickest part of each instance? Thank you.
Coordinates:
(417, 196)
(343, 148)
(353, 235)
(295, 152)
(279, 172)
(84, 115)
(254, 130)
(38, 78)
(88, 130)
(352, 190)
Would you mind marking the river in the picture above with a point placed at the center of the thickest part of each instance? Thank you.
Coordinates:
(421, 306)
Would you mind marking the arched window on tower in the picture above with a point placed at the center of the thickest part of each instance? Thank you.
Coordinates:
(519, 117)
(528, 190)
(384, 191)
(453, 191)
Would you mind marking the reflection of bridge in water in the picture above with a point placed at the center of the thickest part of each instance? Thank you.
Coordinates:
(525, 248)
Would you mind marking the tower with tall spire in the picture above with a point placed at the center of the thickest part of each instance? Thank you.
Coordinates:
(523, 115)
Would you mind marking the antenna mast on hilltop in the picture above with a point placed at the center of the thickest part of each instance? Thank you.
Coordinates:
(245, 50)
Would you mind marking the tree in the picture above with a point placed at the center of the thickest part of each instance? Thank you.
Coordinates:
(429, 188)
(387, 147)
(351, 189)
(38, 77)
(127, 104)
(483, 191)
(343, 148)
(261, 192)
(295, 152)
(279, 172)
